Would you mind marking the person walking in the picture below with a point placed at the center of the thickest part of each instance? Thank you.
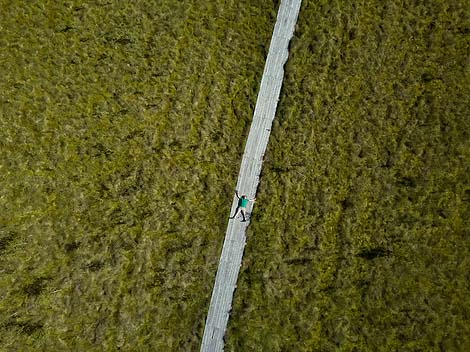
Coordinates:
(241, 208)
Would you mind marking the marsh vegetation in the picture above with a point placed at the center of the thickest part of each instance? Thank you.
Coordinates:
(122, 127)
(360, 239)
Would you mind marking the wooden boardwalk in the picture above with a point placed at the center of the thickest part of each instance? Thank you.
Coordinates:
(248, 178)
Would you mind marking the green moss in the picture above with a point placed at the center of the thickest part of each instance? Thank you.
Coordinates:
(118, 122)
(361, 235)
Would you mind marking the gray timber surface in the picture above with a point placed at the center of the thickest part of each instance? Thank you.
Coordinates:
(248, 178)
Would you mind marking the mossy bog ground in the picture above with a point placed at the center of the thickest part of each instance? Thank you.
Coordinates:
(360, 238)
(122, 128)
(121, 133)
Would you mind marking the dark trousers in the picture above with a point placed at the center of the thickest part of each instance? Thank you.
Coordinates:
(238, 211)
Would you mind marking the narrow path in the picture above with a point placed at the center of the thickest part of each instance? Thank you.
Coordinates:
(248, 178)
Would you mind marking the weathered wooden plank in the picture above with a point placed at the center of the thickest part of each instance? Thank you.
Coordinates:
(248, 178)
